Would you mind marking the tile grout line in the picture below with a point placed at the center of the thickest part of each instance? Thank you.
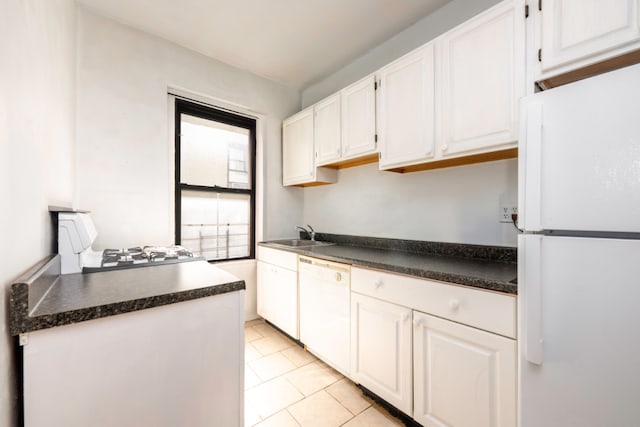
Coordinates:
(273, 332)
(339, 403)
(292, 416)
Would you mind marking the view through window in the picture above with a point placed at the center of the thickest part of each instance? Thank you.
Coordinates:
(215, 181)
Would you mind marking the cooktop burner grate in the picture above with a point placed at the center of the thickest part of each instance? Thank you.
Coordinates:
(145, 255)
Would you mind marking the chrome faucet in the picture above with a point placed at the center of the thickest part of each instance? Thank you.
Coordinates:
(310, 231)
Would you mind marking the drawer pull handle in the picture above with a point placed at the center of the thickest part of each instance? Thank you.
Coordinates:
(405, 317)
(417, 322)
(338, 277)
(454, 304)
(378, 283)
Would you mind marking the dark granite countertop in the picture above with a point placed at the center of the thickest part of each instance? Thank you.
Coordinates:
(486, 267)
(43, 298)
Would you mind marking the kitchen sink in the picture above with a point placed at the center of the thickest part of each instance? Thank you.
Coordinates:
(299, 243)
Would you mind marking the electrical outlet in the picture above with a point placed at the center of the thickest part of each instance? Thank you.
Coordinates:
(506, 211)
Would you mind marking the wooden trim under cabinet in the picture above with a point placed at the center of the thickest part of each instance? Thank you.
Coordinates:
(605, 66)
(358, 161)
(510, 153)
(311, 184)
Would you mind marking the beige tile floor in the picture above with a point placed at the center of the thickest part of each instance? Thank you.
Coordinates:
(287, 386)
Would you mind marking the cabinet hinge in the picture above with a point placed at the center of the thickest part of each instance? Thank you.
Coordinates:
(540, 5)
(539, 55)
(375, 85)
(526, 11)
(375, 137)
(316, 154)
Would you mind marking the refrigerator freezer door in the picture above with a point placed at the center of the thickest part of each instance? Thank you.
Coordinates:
(579, 156)
(587, 317)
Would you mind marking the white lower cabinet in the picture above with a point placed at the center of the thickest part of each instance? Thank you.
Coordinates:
(278, 289)
(174, 365)
(381, 349)
(453, 367)
(463, 377)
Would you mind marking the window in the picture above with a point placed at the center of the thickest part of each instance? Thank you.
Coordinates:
(215, 181)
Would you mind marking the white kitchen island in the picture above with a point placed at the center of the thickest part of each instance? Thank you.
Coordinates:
(174, 359)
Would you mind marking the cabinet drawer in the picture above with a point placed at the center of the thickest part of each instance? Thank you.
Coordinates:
(280, 258)
(486, 310)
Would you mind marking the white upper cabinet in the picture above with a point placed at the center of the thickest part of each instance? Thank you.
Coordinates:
(452, 101)
(480, 82)
(298, 165)
(327, 130)
(339, 131)
(406, 109)
(297, 148)
(578, 33)
(358, 118)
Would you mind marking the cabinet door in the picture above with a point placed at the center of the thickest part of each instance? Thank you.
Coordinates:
(464, 377)
(381, 349)
(278, 297)
(327, 130)
(406, 109)
(359, 118)
(576, 33)
(297, 148)
(481, 82)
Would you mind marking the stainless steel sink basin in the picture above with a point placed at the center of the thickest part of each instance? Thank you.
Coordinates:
(299, 243)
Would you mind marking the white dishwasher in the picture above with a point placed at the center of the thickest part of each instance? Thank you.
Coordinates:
(324, 310)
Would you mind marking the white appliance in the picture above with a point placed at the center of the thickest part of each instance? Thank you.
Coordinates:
(324, 310)
(579, 255)
(76, 233)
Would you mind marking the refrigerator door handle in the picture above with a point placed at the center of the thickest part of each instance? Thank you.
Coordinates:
(532, 299)
(530, 165)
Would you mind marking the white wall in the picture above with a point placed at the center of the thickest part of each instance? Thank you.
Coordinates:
(125, 150)
(457, 204)
(37, 97)
(247, 271)
(125, 153)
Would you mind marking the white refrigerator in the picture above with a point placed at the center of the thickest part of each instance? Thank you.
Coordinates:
(579, 254)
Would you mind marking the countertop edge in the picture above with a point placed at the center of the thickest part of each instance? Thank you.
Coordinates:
(470, 281)
(21, 322)
(31, 324)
